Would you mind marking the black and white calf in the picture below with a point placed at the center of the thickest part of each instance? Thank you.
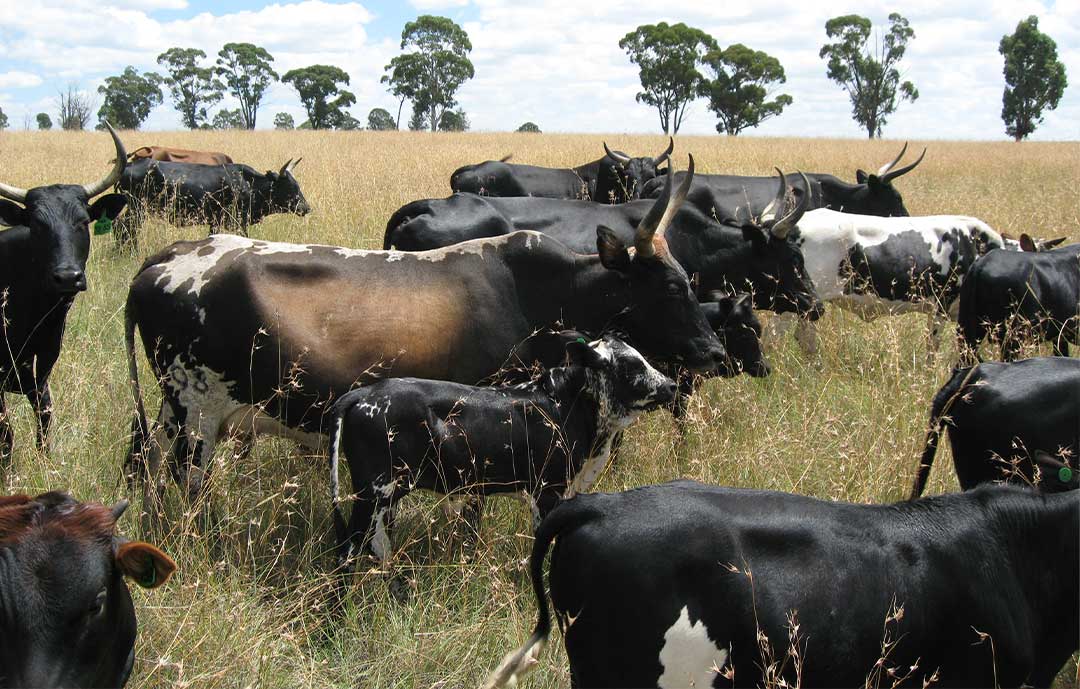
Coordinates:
(547, 438)
(671, 585)
(877, 266)
(1009, 295)
(1001, 416)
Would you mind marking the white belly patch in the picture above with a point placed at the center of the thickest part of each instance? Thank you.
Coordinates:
(689, 657)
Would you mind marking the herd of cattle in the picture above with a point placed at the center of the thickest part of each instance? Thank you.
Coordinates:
(558, 305)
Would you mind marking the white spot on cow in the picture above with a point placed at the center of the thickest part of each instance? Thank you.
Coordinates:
(689, 657)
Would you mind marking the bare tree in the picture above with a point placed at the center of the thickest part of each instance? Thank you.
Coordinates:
(74, 108)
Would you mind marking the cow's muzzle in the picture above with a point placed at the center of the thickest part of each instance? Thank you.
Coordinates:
(68, 281)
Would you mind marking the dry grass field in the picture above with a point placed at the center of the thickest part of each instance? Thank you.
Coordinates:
(246, 607)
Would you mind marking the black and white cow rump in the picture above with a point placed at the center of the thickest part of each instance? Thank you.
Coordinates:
(688, 585)
(42, 269)
(1001, 416)
(1012, 296)
(547, 438)
(66, 616)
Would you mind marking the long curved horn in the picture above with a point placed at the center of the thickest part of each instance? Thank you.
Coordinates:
(785, 224)
(617, 157)
(285, 167)
(110, 179)
(777, 204)
(888, 166)
(662, 212)
(117, 510)
(658, 160)
(13, 193)
(677, 199)
(904, 170)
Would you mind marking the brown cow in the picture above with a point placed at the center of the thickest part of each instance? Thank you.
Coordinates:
(179, 155)
(66, 616)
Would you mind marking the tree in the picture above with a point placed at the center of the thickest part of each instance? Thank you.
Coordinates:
(345, 121)
(316, 85)
(44, 122)
(872, 81)
(3, 120)
(418, 121)
(194, 89)
(743, 80)
(432, 74)
(1034, 78)
(529, 128)
(667, 58)
(284, 120)
(454, 121)
(229, 119)
(247, 73)
(379, 120)
(129, 98)
(74, 108)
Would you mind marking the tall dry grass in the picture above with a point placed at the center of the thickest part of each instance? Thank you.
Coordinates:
(247, 606)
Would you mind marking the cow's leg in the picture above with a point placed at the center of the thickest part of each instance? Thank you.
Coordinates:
(7, 436)
(41, 400)
(934, 323)
(161, 445)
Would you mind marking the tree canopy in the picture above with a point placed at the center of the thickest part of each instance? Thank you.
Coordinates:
(667, 58)
(529, 128)
(44, 122)
(284, 120)
(436, 68)
(129, 98)
(194, 89)
(743, 79)
(228, 119)
(317, 85)
(1034, 78)
(871, 79)
(454, 121)
(379, 120)
(247, 73)
(3, 120)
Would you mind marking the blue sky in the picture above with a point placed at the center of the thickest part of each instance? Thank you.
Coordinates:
(555, 62)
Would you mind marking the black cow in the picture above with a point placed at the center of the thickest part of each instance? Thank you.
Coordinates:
(231, 195)
(755, 255)
(258, 335)
(548, 437)
(1000, 415)
(42, 268)
(66, 616)
(1011, 294)
(671, 586)
(615, 178)
(735, 196)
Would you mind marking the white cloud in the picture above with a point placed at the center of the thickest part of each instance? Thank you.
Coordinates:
(432, 5)
(18, 80)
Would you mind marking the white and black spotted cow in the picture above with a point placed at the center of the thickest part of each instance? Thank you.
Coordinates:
(262, 336)
(877, 266)
(683, 584)
(547, 438)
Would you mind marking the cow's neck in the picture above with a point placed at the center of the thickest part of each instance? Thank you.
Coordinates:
(835, 193)
(720, 257)
(27, 312)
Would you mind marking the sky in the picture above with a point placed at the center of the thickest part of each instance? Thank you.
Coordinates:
(553, 62)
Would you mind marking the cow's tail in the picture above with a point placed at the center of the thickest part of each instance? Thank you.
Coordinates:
(140, 429)
(400, 217)
(943, 402)
(338, 411)
(563, 519)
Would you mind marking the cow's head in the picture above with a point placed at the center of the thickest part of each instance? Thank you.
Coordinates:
(1030, 244)
(622, 178)
(627, 382)
(66, 616)
(733, 319)
(663, 319)
(285, 194)
(875, 194)
(58, 218)
(779, 280)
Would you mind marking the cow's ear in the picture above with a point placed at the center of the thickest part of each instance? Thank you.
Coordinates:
(613, 253)
(754, 234)
(860, 176)
(1051, 243)
(1027, 243)
(583, 355)
(11, 213)
(144, 564)
(108, 206)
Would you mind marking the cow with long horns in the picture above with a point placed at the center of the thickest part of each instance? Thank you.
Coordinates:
(615, 178)
(257, 336)
(727, 196)
(232, 195)
(42, 268)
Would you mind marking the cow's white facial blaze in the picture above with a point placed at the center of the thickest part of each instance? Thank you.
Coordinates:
(689, 657)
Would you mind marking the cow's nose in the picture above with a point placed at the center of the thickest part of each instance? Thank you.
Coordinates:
(69, 280)
(667, 392)
(760, 369)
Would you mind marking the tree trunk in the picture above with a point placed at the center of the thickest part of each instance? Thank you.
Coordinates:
(397, 124)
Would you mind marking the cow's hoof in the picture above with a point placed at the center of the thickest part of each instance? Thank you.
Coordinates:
(399, 588)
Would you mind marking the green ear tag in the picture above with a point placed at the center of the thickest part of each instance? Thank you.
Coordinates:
(103, 225)
(581, 340)
(1065, 474)
(148, 581)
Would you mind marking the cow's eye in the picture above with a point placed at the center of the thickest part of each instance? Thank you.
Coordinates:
(98, 605)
